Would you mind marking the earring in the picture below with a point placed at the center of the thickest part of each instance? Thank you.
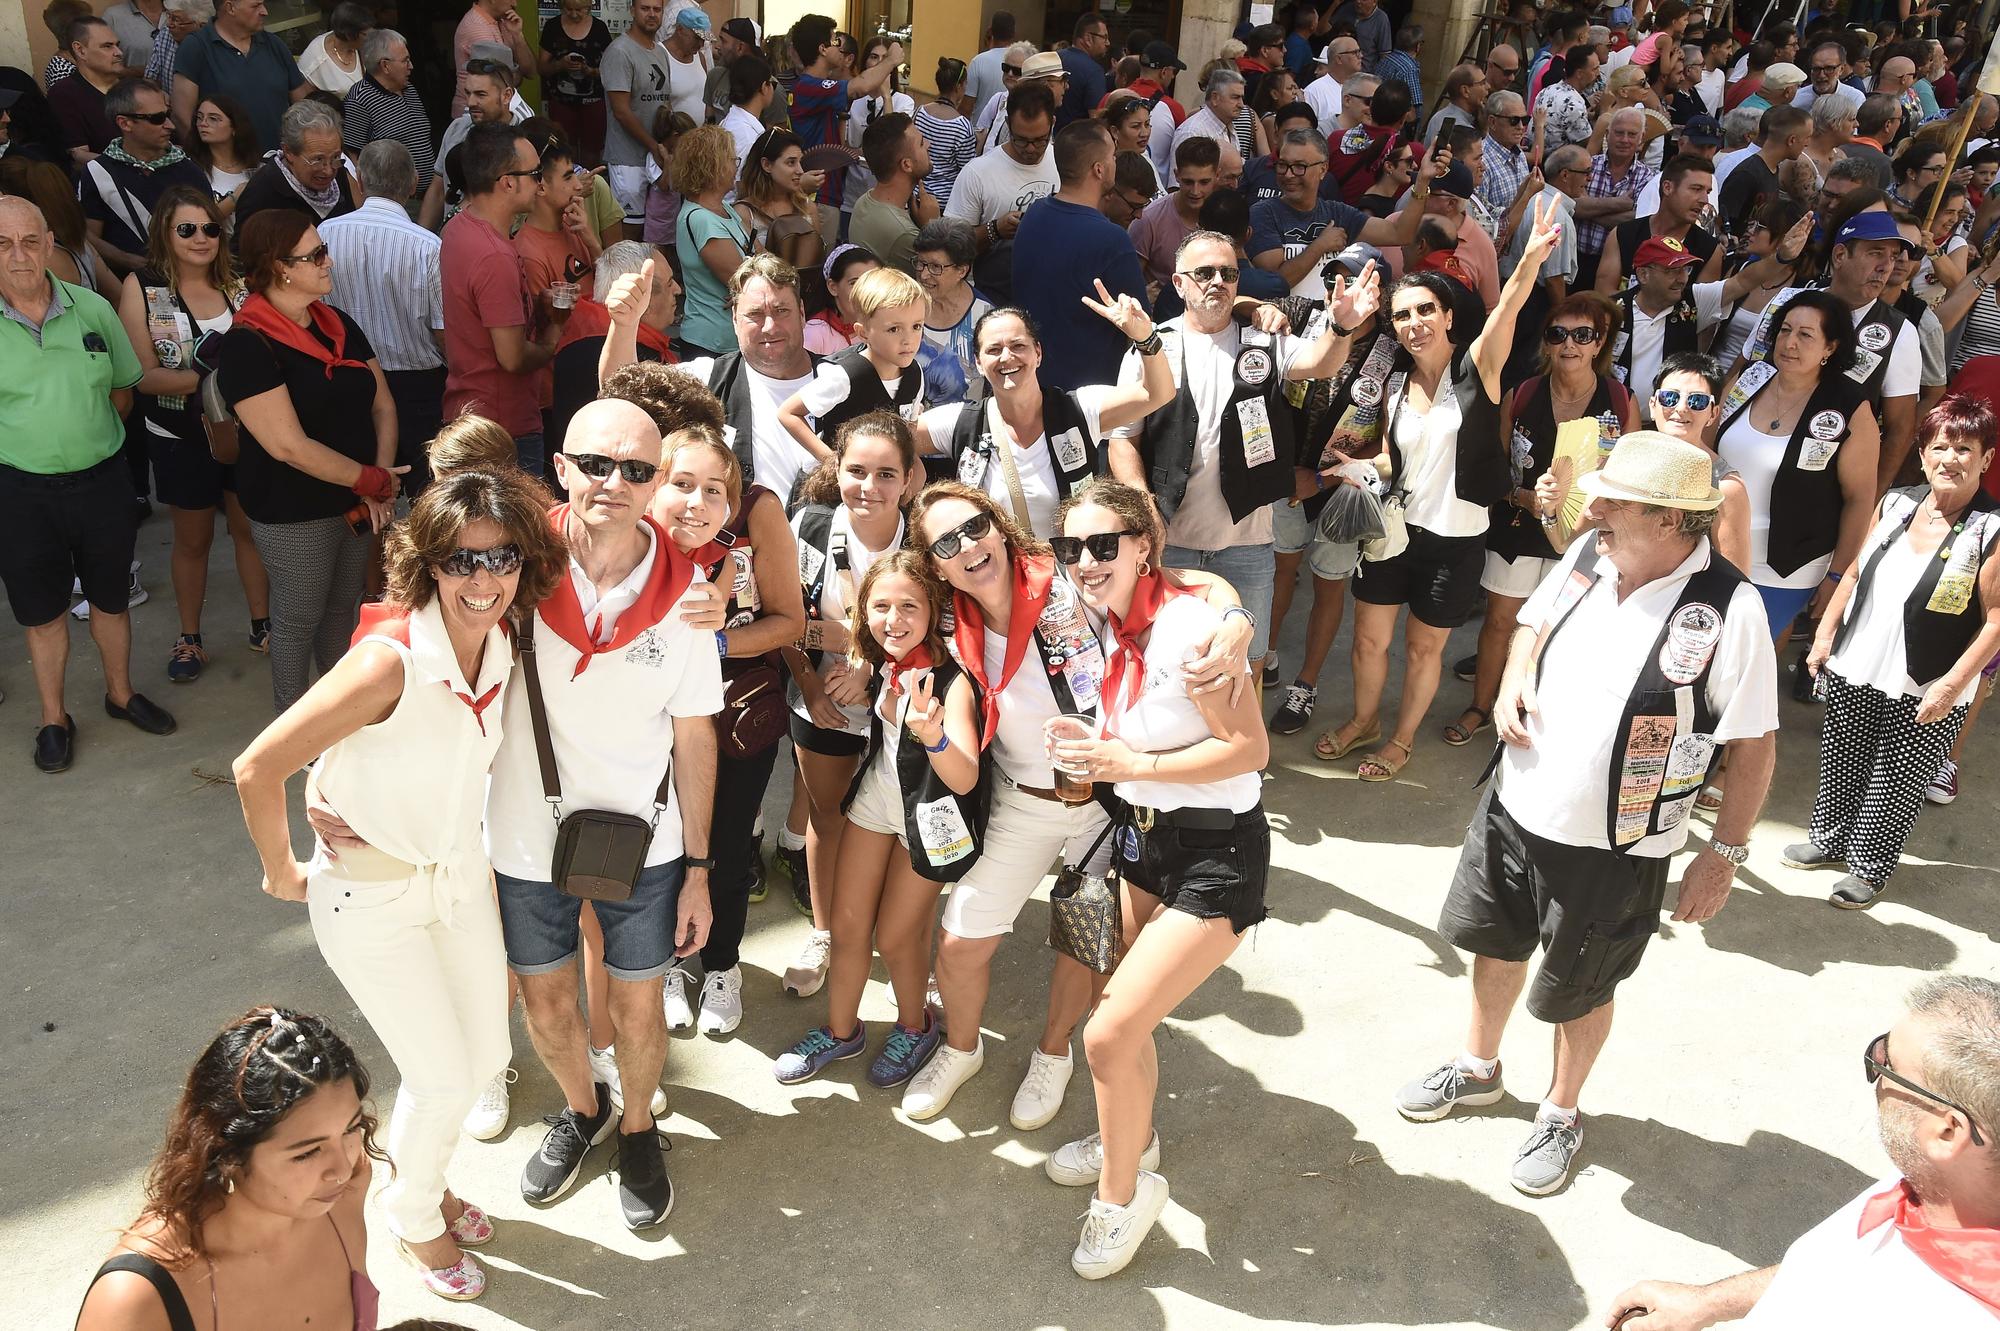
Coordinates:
(1144, 568)
(229, 1184)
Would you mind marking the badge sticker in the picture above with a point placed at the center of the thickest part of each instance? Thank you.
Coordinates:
(1827, 425)
(1647, 744)
(1864, 365)
(1687, 764)
(811, 561)
(1368, 392)
(743, 581)
(1071, 453)
(1874, 336)
(972, 467)
(1253, 366)
(1691, 638)
(1815, 454)
(646, 650)
(1259, 447)
(941, 827)
(1127, 842)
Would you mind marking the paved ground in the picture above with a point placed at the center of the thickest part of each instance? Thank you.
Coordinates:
(1727, 1116)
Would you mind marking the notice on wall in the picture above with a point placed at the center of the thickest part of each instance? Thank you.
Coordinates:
(1260, 15)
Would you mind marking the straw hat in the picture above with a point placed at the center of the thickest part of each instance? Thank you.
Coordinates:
(1647, 467)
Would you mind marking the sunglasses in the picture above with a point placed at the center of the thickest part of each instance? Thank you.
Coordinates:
(599, 468)
(316, 255)
(153, 118)
(1673, 397)
(186, 230)
(1514, 120)
(1012, 71)
(1875, 1066)
(490, 68)
(1103, 546)
(1555, 337)
(499, 561)
(972, 529)
(1209, 272)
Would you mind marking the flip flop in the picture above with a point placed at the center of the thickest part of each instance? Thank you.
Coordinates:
(1328, 749)
(1458, 735)
(1383, 771)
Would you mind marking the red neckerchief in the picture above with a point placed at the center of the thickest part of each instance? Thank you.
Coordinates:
(1126, 670)
(839, 325)
(382, 619)
(894, 672)
(1968, 1258)
(707, 557)
(591, 318)
(1032, 575)
(563, 613)
(262, 315)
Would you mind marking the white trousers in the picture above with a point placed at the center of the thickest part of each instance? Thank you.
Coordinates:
(1024, 835)
(436, 996)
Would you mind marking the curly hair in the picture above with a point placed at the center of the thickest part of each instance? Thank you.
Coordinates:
(916, 566)
(1133, 506)
(471, 443)
(1019, 542)
(160, 244)
(1603, 316)
(257, 1070)
(675, 399)
(704, 159)
(510, 499)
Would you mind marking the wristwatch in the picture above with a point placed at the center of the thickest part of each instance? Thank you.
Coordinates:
(1734, 854)
(698, 862)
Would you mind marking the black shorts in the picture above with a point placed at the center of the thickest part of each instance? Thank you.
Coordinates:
(1592, 911)
(1436, 576)
(1211, 873)
(54, 530)
(185, 473)
(830, 743)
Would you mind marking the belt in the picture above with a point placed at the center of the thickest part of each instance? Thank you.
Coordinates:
(1051, 796)
(60, 480)
(1206, 820)
(448, 882)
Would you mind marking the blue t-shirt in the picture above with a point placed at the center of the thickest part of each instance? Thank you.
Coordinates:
(1276, 225)
(1087, 86)
(819, 110)
(262, 79)
(1078, 348)
(1260, 180)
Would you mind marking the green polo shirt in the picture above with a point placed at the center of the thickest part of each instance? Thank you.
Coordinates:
(55, 389)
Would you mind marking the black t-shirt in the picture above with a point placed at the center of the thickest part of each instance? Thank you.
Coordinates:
(337, 412)
(1376, 205)
(1749, 187)
(268, 188)
(568, 87)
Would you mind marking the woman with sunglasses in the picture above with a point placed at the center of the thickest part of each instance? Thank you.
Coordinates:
(1130, 119)
(945, 251)
(1760, 241)
(1399, 171)
(1192, 858)
(1575, 385)
(183, 299)
(316, 472)
(948, 135)
(401, 733)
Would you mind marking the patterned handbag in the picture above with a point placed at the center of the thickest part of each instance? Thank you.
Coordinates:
(1086, 921)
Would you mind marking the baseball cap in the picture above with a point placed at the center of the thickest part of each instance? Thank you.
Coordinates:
(1159, 55)
(1874, 224)
(1783, 74)
(1701, 129)
(1043, 65)
(693, 19)
(493, 52)
(1665, 250)
(1456, 182)
(1356, 257)
(744, 30)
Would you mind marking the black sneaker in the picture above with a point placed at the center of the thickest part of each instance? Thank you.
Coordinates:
(1273, 676)
(645, 1193)
(802, 898)
(1295, 711)
(1803, 682)
(1466, 668)
(552, 1170)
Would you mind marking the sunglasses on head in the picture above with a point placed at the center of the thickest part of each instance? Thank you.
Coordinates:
(499, 561)
(598, 467)
(489, 68)
(186, 230)
(1673, 397)
(1583, 336)
(1210, 272)
(1103, 546)
(973, 529)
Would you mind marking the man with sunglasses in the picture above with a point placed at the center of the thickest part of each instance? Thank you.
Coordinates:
(1342, 58)
(1295, 234)
(1917, 1249)
(119, 186)
(1507, 162)
(998, 186)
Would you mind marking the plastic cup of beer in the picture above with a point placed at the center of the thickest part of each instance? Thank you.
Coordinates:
(1072, 784)
(563, 295)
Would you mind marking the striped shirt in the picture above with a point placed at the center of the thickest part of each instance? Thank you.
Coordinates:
(394, 292)
(952, 143)
(58, 69)
(1590, 235)
(371, 112)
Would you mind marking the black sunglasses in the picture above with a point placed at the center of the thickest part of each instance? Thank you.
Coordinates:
(499, 561)
(151, 118)
(1672, 397)
(1583, 336)
(1012, 70)
(598, 467)
(1876, 1066)
(1103, 546)
(316, 255)
(490, 68)
(1514, 120)
(973, 528)
(1209, 272)
(186, 230)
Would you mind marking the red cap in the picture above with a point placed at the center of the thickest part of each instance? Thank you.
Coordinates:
(1662, 250)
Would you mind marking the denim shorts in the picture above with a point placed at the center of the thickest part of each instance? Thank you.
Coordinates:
(1292, 531)
(1209, 873)
(1250, 569)
(540, 925)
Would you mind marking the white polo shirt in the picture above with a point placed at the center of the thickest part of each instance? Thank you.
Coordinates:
(1559, 787)
(611, 726)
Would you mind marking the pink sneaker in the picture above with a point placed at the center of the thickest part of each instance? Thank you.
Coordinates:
(473, 1228)
(461, 1282)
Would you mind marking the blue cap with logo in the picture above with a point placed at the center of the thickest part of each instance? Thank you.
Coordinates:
(1873, 224)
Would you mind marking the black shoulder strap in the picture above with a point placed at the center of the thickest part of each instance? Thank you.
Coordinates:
(162, 1281)
(545, 750)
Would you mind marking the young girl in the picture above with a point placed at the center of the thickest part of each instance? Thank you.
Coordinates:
(840, 534)
(663, 202)
(831, 328)
(1193, 858)
(875, 374)
(921, 786)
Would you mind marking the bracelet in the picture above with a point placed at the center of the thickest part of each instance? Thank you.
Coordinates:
(1239, 610)
(1340, 332)
(722, 642)
(1152, 346)
(993, 232)
(944, 742)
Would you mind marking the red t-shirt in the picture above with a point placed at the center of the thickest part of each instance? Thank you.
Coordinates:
(483, 288)
(553, 256)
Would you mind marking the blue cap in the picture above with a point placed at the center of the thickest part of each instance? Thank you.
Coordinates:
(693, 19)
(1701, 129)
(1874, 224)
(1455, 181)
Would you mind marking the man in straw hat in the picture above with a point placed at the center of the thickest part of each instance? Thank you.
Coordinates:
(1654, 658)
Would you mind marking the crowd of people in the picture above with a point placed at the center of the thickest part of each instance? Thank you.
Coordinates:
(1650, 358)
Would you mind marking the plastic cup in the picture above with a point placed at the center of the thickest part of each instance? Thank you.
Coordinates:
(1072, 785)
(563, 295)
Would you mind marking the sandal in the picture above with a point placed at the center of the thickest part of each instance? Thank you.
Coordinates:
(1709, 800)
(1383, 771)
(1458, 734)
(461, 1282)
(473, 1228)
(1328, 748)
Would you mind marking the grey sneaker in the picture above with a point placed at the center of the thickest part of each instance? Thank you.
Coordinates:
(1437, 1093)
(1545, 1160)
(1805, 855)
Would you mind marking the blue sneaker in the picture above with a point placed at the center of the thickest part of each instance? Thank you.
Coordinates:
(810, 1056)
(904, 1052)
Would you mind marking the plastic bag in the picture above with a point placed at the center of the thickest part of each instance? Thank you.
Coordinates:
(1352, 512)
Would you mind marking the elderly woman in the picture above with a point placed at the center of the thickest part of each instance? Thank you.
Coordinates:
(578, 365)
(1899, 653)
(400, 734)
(331, 61)
(708, 236)
(305, 173)
(316, 468)
(945, 252)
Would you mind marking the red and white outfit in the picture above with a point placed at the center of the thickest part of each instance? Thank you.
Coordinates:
(1155, 713)
(409, 922)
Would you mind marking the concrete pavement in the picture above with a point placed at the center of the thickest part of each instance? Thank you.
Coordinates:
(1728, 1113)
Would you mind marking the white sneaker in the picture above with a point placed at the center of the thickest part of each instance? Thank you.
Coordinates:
(932, 1088)
(1080, 1162)
(1042, 1090)
(487, 1118)
(805, 976)
(680, 1016)
(134, 595)
(604, 1067)
(722, 1002)
(1112, 1234)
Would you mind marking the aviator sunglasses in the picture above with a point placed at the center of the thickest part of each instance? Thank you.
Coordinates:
(499, 561)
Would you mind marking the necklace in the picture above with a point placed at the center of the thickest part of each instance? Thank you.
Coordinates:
(1778, 413)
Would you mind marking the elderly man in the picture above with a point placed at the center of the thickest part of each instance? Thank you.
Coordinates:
(1610, 198)
(120, 186)
(385, 105)
(1464, 90)
(1568, 168)
(1914, 1249)
(1325, 94)
(78, 103)
(1638, 662)
(307, 174)
(1897, 77)
(1216, 119)
(235, 56)
(1782, 82)
(65, 496)
(181, 19)
(997, 187)
(1566, 116)
(386, 275)
(1826, 68)
(1877, 126)
(636, 312)
(1400, 66)
(1507, 161)
(1684, 186)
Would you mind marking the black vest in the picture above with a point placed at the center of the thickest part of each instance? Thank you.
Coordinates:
(865, 392)
(729, 382)
(1631, 235)
(1805, 498)
(1166, 440)
(1943, 613)
(1514, 532)
(946, 830)
(1482, 473)
(1073, 454)
(1664, 747)
(1682, 333)
(1874, 339)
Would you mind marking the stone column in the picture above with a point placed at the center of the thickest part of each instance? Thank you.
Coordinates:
(1205, 26)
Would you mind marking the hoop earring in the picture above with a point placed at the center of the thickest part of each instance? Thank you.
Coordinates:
(1145, 568)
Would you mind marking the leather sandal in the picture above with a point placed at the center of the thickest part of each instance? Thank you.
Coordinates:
(1328, 748)
(1383, 770)
(1458, 734)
